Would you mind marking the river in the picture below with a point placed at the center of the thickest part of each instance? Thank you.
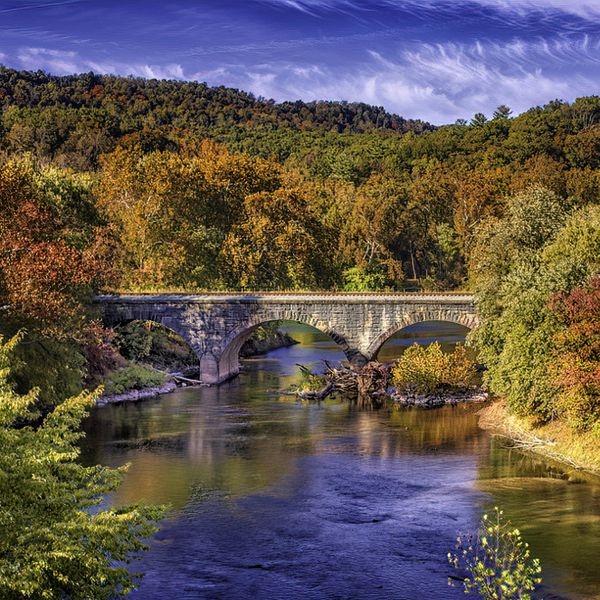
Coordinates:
(274, 498)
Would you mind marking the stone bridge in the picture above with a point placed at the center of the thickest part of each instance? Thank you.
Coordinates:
(216, 325)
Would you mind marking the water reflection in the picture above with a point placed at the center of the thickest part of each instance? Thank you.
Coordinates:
(275, 498)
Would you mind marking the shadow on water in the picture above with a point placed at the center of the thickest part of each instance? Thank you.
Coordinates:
(274, 498)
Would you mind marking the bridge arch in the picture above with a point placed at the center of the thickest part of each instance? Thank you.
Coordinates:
(470, 321)
(224, 360)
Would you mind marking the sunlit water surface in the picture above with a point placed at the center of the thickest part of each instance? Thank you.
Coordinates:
(273, 498)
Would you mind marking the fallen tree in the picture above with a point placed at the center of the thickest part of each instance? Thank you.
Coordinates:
(367, 384)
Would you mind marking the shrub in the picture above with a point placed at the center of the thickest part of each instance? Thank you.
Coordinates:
(135, 340)
(309, 381)
(496, 561)
(145, 341)
(132, 377)
(426, 369)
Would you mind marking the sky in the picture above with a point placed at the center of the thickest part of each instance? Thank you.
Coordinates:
(437, 60)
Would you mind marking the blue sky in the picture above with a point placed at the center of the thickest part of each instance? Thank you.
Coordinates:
(438, 60)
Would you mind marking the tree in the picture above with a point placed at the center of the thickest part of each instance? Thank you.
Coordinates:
(478, 120)
(503, 112)
(576, 358)
(51, 255)
(369, 217)
(54, 253)
(520, 261)
(56, 539)
(279, 244)
(174, 209)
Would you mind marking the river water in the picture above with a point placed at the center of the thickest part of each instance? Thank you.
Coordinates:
(273, 498)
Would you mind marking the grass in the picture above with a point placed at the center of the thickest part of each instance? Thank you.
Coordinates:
(555, 440)
(132, 377)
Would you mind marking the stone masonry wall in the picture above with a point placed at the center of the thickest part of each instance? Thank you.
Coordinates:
(216, 326)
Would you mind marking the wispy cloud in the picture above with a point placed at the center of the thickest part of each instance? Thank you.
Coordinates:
(582, 8)
(36, 6)
(64, 62)
(437, 82)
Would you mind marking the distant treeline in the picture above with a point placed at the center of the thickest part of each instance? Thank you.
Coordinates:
(75, 118)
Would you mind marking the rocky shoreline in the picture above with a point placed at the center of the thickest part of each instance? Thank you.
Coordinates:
(135, 395)
(437, 399)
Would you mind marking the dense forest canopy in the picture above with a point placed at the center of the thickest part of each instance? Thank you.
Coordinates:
(113, 183)
(71, 106)
(385, 200)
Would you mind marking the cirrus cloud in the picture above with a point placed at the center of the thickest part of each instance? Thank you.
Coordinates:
(581, 8)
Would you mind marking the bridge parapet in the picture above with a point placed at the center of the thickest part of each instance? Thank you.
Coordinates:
(217, 325)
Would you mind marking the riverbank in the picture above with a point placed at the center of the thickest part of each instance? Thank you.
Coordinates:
(555, 440)
(256, 346)
(138, 381)
(135, 395)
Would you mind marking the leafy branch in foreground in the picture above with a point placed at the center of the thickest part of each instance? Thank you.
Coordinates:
(56, 541)
(496, 561)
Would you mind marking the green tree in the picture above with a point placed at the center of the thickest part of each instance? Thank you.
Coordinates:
(57, 540)
(502, 112)
(478, 120)
(520, 262)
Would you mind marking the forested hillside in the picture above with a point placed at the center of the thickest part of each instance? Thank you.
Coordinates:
(73, 119)
(120, 183)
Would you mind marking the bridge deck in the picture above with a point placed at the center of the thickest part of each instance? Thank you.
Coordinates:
(409, 297)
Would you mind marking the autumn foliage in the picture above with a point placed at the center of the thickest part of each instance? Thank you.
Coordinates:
(44, 279)
(120, 183)
(577, 356)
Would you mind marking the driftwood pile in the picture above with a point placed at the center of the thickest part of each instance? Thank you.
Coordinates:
(366, 385)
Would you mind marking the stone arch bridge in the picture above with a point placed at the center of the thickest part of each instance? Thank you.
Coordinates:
(216, 325)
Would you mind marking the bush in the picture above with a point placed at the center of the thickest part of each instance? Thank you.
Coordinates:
(426, 369)
(309, 381)
(496, 561)
(56, 538)
(135, 340)
(132, 377)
